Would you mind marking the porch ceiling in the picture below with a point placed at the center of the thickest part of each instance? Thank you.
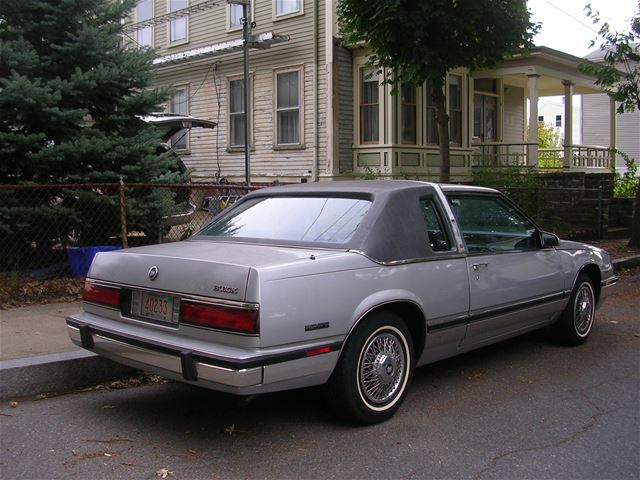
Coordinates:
(552, 66)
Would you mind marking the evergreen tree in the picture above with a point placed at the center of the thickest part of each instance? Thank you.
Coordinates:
(69, 100)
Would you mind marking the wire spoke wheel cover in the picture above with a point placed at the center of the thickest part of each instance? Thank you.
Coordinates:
(382, 368)
(583, 309)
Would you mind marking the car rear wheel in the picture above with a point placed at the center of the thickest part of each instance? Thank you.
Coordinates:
(576, 322)
(374, 371)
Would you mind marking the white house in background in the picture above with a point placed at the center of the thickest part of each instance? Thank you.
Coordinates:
(551, 112)
(315, 111)
(595, 124)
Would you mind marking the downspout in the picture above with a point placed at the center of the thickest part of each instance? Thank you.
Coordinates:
(316, 156)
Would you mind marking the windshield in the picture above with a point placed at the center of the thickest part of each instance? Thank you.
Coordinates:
(304, 219)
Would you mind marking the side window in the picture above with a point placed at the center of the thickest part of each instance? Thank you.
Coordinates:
(438, 238)
(490, 224)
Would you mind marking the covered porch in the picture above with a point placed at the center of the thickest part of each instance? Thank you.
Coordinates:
(493, 120)
(543, 73)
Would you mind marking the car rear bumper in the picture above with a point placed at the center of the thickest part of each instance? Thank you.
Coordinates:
(260, 373)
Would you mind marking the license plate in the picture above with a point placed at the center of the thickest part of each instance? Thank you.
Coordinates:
(153, 306)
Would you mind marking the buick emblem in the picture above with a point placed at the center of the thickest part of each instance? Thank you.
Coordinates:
(153, 272)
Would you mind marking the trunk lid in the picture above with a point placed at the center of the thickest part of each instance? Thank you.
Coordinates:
(204, 268)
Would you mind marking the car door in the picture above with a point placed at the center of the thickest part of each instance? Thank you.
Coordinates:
(514, 284)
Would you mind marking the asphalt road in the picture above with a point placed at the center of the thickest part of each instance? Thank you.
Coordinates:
(525, 408)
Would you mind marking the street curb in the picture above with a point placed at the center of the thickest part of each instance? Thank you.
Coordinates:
(626, 262)
(56, 373)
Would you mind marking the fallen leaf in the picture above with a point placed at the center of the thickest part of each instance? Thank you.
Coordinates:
(613, 321)
(191, 451)
(163, 473)
(230, 429)
(41, 396)
(13, 404)
(108, 407)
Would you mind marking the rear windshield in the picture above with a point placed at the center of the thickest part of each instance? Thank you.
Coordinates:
(303, 219)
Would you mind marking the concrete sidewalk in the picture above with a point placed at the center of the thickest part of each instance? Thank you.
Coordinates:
(37, 357)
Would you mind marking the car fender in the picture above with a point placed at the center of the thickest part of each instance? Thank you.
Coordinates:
(380, 299)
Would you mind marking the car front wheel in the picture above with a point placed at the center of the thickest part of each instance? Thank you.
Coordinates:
(374, 371)
(576, 322)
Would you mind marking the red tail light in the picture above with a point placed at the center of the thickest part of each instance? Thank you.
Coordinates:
(222, 318)
(109, 297)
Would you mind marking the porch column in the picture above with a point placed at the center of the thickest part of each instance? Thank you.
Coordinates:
(532, 150)
(612, 131)
(568, 123)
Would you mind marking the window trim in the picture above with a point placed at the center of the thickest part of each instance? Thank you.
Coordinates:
(426, 118)
(182, 41)
(284, 16)
(238, 148)
(228, 26)
(300, 144)
(170, 109)
(153, 30)
(381, 125)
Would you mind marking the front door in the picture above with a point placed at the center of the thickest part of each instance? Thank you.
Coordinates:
(514, 284)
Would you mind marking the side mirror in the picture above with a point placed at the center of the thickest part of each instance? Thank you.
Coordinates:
(549, 240)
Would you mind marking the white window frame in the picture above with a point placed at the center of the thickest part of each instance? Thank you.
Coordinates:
(150, 27)
(236, 148)
(277, 71)
(181, 41)
(170, 108)
(231, 28)
(283, 16)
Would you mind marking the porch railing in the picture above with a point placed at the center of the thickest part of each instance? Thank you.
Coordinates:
(519, 154)
(498, 154)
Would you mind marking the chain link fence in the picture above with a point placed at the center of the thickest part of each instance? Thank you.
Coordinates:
(49, 230)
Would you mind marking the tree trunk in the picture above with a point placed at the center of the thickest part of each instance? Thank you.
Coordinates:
(635, 226)
(442, 120)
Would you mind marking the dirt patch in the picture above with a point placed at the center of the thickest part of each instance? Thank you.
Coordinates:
(18, 291)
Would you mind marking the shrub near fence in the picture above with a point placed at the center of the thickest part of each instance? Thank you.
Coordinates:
(39, 224)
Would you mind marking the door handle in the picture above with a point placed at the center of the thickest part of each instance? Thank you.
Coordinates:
(476, 266)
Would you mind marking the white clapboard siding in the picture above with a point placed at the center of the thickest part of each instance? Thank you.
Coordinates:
(208, 155)
(514, 115)
(595, 127)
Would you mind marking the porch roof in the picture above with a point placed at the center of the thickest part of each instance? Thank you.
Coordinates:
(552, 66)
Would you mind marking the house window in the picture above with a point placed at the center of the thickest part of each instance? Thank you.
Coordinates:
(430, 117)
(235, 16)
(540, 118)
(236, 113)
(369, 105)
(408, 115)
(180, 104)
(558, 120)
(288, 108)
(178, 26)
(288, 7)
(455, 110)
(144, 11)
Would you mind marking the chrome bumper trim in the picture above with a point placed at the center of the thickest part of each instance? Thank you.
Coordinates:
(236, 378)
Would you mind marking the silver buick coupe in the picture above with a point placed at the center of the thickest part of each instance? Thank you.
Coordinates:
(350, 285)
